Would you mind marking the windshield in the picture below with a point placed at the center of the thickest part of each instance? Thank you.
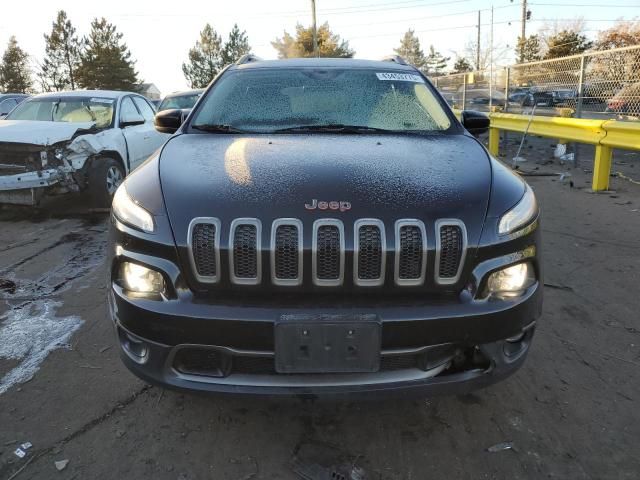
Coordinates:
(179, 101)
(66, 109)
(268, 100)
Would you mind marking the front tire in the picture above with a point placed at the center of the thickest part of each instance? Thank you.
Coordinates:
(105, 177)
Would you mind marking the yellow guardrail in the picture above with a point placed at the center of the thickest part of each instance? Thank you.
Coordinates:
(605, 135)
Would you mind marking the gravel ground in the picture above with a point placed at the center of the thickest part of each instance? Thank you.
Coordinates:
(570, 412)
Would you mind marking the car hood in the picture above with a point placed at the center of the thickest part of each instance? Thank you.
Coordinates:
(39, 133)
(273, 176)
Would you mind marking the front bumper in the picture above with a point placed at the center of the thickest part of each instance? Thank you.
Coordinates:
(158, 368)
(27, 188)
(237, 341)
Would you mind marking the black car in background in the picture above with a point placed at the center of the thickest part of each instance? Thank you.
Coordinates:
(538, 98)
(8, 101)
(323, 226)
(180, 100)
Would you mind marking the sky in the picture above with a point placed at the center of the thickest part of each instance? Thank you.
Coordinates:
(160, 33)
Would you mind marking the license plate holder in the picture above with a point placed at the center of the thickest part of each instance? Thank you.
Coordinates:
(327, 344)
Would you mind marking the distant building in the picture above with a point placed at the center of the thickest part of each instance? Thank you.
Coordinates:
(150, 91)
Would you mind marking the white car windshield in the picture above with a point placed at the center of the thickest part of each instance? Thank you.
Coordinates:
(66, 109)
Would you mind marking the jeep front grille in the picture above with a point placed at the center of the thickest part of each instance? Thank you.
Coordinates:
(328, 252)
(204, 244)
(244, 254)
(450, 248)
(411, 252)
(369, 251)
(286, 252)
(408, 248)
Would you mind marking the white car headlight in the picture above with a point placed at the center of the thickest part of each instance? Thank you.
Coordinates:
(128, 211)
(511, 281)
(520, 215)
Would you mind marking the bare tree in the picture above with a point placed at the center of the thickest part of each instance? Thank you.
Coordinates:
(500, 53)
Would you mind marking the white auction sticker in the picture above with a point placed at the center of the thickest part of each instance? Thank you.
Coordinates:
(400, 77)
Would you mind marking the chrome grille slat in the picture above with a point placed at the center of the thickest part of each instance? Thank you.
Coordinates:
(203, 241)
(370, 248)
(411, 252)
(245, 251)
(286, 252)
(328, 252)
(451, 246)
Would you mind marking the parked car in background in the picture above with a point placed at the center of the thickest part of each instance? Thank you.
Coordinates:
(63, 142)
(538, 98)
(180, 100)
(565, 97)
(155, 102)
(8, 101)
(626, 101)
(480, 96)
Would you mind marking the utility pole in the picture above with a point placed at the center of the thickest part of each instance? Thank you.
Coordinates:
(315, 30)
(523, 32)
(478, 45)
(491, 62)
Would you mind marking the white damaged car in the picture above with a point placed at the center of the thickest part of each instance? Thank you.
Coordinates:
(62, 142)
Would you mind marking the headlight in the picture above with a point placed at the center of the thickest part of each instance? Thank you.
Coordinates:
(139, 279)
(520, 215)
(129, 212)
(511, 281)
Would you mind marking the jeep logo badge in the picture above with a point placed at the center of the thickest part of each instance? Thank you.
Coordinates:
(332, 205)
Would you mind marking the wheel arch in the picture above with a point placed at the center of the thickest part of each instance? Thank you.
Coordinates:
(111, 154)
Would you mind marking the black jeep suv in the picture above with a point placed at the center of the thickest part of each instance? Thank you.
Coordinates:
(323, 226)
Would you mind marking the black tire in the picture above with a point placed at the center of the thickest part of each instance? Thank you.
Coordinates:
(105, 175)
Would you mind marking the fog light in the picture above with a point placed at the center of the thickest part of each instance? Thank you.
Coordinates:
(511, 281)
(135, 346)
(137, 278)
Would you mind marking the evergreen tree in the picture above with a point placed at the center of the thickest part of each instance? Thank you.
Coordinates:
(106, 62)
(462, 65)
(62, 56)
(565, 43)
(435, 62)
(15, 75)
(237, 45)
(329, 44)
(528, 50)
(410, 50)
(206, 58)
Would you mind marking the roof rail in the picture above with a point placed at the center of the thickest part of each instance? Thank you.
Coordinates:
(396, 59)
(247, 58)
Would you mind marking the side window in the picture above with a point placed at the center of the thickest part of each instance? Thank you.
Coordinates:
(7, 105)
(128, 111)
(145, 108)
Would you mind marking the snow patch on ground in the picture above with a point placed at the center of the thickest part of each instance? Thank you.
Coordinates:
(29, 333)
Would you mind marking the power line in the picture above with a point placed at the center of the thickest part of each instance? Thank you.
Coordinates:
(582, 5)
(417, 19)
(393, 7)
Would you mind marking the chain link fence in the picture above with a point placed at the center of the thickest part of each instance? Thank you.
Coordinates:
(601, 85)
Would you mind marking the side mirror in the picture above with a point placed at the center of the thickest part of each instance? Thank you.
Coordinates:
(476, 123)
(169, 121)
(132, 120)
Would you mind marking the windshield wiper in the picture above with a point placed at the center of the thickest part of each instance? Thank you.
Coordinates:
(333, 128)
(217, 128)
